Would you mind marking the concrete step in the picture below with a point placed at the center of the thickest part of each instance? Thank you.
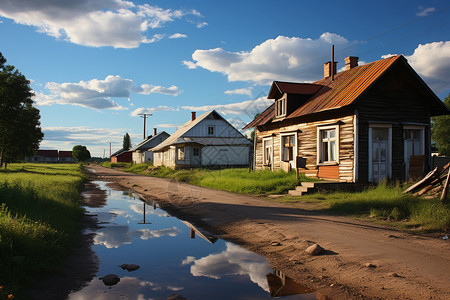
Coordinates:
(308, 184)
(295, 193)
(301, 188)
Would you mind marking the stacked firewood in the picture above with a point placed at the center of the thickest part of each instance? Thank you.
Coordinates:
(433, 185)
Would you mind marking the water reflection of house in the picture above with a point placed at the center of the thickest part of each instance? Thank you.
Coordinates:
(203, 234)
(281, 285)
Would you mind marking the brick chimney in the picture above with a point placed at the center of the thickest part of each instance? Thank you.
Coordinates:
(193, 116)
(155, 131)
(351, 62)
(327, 69)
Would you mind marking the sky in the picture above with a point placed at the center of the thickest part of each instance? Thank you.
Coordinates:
(96, 65)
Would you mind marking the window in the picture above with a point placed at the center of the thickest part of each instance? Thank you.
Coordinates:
(267, 154)
(210, 130)
(287, 147)
(328, 144)
(180, 153)
(195, 151)
(280, 107)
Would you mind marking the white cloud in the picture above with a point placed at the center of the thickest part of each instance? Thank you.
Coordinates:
(177, 36)
(432, 62)
(148, 89)
(168, 125)
(151, 110)
(116, 23)
(97, 93)
(202, 24)
(283, 58)
(233, 260)
(239, 92)
(237, 123)
(425, 11)
(249, 108)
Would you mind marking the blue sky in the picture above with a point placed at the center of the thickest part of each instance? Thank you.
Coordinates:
(96, 64)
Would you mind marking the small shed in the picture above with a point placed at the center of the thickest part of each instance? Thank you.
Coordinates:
(66, 157)
(121, 156)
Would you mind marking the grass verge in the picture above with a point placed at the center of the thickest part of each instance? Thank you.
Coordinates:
(39, 216)
(237, 180)
(385, 204)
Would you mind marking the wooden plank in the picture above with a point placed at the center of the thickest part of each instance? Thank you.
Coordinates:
(423, 191)
(445, 189)
(421, 182)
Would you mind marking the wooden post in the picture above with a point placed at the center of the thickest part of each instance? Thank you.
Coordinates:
(445, 189)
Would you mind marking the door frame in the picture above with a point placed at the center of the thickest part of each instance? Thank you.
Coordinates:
(389, 149)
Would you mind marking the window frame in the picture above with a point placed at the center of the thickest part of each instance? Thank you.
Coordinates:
(265, 146)
(320, 155)
(212, 131)
(281, 107)
(181, 153)
(294, 150)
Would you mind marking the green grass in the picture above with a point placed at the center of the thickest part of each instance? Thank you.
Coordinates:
(385, 204)
(39, 216)
(238, 180)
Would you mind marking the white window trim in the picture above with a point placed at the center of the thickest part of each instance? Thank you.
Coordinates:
(422, 133)
(283, 101)
(214, 130)
(267, 139)
(319, 145)
(295, 152)
(389, 126)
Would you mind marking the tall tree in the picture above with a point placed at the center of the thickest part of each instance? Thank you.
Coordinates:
(440, 130)
(20, 131)
(81, 153)
(126, 142)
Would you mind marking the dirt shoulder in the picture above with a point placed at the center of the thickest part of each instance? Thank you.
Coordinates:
(421, 263)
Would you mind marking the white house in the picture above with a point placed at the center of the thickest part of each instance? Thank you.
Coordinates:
(208, 140)
(142, 152)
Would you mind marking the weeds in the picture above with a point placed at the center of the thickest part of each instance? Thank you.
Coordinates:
(39, 215)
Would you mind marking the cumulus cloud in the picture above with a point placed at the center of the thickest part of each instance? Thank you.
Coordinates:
(201, 24)
(168, 125)
(98, 93)
(148, 89)
(151, 110)
(282, 58)
(177, 36)
(116, 23)
(233, 260)
(117, 235)
(425, 11)
(432, 62)
(249, 107)
(239, 92)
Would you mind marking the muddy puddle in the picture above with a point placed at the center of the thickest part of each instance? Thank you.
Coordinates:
(167, 256)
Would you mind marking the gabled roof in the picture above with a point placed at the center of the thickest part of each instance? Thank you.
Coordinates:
(146, 144)
(47, 153)
(65, 154)
(344, 90)
(279, 88)
(178, 138)
(121, 151)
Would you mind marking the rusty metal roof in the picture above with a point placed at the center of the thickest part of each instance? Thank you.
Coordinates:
(279, 88)
(346, 87)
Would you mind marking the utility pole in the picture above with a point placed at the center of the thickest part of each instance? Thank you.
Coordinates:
(145, 117)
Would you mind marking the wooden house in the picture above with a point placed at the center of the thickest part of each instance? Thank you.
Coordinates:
(208, 140)
(142, 153)
(121, 156)
(364, 124)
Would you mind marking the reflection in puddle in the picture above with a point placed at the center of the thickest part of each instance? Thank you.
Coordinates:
(171, 259)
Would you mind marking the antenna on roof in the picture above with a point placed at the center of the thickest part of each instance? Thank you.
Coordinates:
(332, 62)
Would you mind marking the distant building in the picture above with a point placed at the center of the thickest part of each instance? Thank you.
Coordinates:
(142, 153)
(44, 156)
(121, 156)
(66, 157)
(208, 140)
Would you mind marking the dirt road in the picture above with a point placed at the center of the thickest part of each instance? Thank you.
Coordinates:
(404, 266)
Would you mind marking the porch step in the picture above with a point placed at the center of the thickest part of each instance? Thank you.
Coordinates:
(302, 189)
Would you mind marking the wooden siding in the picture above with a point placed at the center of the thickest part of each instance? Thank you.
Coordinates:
(396, 100)
(307, 143)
